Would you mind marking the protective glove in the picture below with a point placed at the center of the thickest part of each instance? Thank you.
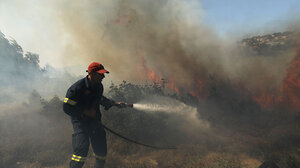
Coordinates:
(120, 104)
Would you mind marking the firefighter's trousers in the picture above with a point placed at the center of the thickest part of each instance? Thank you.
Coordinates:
(86, 133)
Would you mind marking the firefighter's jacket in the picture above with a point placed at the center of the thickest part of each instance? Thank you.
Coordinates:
(81, 96)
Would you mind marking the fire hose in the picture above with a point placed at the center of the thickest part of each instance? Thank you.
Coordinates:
(133, 141)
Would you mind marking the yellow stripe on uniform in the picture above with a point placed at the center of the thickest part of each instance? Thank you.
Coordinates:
(69, 101)
(100, 157)
(78, 158)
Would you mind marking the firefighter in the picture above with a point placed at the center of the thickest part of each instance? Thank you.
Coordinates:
(82, 105)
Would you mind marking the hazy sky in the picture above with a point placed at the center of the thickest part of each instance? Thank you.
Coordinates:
(34, 24)
(245, 16)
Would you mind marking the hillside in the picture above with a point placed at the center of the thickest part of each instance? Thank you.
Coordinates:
(269, 44)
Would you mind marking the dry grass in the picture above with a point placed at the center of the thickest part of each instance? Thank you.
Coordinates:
(39, 138)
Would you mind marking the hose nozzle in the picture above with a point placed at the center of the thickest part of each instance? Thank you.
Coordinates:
(129, 105)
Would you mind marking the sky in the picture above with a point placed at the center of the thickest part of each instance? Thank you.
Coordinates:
(33, 24)
(247, 16)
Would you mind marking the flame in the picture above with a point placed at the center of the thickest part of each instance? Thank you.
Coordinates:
(143, 71)
(153, 76)
(267, 100)
(198, 89)
(146, 73)
(171, 84)
(290, 89)
(193, 93)
(288, 95)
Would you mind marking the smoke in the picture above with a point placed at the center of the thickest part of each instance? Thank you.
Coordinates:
(167, 37)
(121, 33)
(22, 75)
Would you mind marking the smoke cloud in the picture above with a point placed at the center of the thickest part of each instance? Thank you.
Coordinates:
(21, 75)
(167, 37)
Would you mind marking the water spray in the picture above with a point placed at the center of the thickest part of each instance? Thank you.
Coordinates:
(188, 114)
(152, 107)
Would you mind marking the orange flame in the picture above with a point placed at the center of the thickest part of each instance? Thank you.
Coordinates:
(171, 84)
(289, 92)
(290, 88)
(198, 91)
(287, 96)
(143, 71)
(267, 100)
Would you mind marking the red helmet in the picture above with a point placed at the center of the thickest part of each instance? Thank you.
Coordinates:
(96, 67)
